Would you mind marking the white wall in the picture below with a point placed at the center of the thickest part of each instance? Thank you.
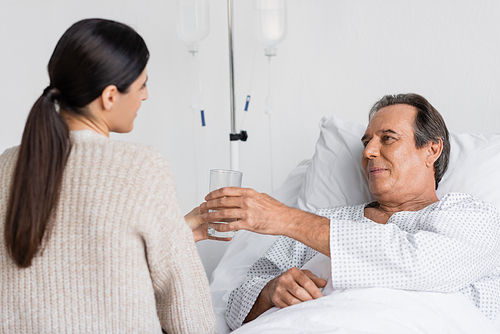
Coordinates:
(339, 57)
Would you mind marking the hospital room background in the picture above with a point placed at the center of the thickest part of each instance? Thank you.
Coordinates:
(338, 58)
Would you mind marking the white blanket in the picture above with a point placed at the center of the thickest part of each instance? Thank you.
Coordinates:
(373, 310)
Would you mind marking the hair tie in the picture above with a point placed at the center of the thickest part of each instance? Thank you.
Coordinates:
(51, 93)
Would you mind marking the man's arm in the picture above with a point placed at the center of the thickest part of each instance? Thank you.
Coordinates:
(260, 213)
(293, 287)
(263, 214)
(282, 256)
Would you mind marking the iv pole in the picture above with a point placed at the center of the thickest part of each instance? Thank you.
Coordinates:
(234, 137)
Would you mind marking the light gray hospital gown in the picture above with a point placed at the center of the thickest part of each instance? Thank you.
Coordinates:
(451, 245)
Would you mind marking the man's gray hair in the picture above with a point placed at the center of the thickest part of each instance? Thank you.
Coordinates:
(429, 126)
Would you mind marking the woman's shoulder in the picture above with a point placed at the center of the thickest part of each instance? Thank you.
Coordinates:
(86, 140)
(147, 156)
(8, 158)
(135, 163)
(8, 161)
(9, 154)
(147, 152)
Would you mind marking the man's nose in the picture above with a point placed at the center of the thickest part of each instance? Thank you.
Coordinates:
(372, 150)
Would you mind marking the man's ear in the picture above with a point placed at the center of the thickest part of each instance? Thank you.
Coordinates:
(433, 152)
(109, 97)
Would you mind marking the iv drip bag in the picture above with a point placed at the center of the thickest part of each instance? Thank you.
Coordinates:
(270, 23)
(193, 23)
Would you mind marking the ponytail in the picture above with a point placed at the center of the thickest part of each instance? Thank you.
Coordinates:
(36, 185)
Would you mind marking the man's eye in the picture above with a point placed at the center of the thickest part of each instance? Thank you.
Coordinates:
(365, 143)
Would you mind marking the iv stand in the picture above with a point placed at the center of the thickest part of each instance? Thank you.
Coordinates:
(234, 137)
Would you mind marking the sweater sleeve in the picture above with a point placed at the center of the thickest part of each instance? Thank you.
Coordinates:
(179, 280)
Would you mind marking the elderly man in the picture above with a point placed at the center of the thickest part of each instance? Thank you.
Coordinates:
(406, 239)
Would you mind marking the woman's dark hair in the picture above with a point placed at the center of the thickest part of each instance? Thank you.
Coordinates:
(91, 55)
(429, 126)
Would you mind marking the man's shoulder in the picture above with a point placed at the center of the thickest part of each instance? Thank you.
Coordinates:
(343, 212)
(454, 201)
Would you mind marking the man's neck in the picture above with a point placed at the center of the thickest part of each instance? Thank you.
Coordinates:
(389, 205)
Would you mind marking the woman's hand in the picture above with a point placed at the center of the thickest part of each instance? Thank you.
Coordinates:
(199, 227)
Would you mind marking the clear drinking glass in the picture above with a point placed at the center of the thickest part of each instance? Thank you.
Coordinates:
(220, 178)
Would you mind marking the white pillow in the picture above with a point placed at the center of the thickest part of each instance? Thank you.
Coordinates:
(335, 176)
(474, 167)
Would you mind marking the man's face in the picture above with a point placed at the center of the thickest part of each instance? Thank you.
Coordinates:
(394, 167)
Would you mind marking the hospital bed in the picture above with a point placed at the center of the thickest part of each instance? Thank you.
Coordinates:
(333, 177)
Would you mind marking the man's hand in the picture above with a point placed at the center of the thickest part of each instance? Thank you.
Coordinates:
(199, 227)
(245, 209)
(292, 287)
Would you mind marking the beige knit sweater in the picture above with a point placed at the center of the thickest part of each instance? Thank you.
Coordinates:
(120, 257)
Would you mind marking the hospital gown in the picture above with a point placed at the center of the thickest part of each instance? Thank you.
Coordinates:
(451, 245)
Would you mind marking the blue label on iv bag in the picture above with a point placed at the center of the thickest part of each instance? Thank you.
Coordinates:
(247, 102)
(202, 117)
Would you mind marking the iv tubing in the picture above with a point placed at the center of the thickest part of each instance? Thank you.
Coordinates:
(193, 119)
(269, 77)
(270, 128)
(234, 145)
(199, 108)
(231, 65)
(249, 96)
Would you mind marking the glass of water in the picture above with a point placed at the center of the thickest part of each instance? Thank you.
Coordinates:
(220, 178)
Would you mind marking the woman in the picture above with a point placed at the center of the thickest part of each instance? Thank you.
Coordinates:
(93, 238)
